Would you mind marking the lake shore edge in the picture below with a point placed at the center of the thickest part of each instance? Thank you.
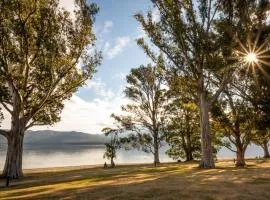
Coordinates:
(148, 164)
(168, 181)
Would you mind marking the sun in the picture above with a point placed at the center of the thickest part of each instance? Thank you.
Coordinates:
(251, 57)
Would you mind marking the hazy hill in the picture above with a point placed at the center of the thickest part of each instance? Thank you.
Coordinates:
(60, 137)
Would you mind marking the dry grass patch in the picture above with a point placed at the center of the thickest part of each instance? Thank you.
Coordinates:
(169, 181)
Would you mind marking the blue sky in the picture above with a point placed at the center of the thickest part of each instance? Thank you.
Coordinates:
(116, 29)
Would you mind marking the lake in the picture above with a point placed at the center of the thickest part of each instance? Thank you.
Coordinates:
(44, 156)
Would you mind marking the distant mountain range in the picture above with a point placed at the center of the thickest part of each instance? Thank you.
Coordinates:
(60, 137)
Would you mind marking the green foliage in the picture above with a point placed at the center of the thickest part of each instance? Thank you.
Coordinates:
(249, 26)
(234, 116)
(144, 117)
(188, 34)
(260, 98)
(183, 129)
(114, 144)
(188, 38)
(44, 57)
(110, 151)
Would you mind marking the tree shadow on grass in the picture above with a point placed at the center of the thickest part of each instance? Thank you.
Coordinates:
(168, 182)
(33, 183)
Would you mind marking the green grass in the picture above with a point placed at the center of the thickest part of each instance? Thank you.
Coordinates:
(168, 181)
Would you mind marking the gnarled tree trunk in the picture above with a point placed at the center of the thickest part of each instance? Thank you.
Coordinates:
(112, 163)
(156, 151)
(240, 157)
(189, 148)
(265, 149)
(207, 160)
(189, 156)
(240, 146)
(13, 164)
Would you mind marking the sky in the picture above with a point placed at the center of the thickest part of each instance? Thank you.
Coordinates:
(116, 30)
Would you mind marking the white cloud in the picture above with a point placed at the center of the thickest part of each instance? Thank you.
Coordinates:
(107, 26)
(106, 47)
(268, 16)
(121, 76)
(101, 30)
(120, 44)
(99, 88)
(155, 15)
(87, 116)
(84, 116)
(69, 5)
(141, 33)
(6, 123)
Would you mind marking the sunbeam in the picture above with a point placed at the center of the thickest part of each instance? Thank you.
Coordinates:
(252, 57)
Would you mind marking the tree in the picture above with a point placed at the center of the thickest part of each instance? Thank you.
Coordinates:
(113, 145)
(187, 34)
(44, 59)
(235, 116)
(249, 25)
(183, 137)
(144, 116)
(261, 102)
(262, 139)
(183, 119)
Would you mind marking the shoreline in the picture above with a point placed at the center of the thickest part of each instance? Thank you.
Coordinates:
(121, 165)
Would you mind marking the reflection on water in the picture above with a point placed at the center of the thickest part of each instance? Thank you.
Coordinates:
(43, 156)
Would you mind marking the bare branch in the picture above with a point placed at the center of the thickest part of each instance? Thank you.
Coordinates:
(224, 82)
(230, 148)
(6, 107)
(4, 132)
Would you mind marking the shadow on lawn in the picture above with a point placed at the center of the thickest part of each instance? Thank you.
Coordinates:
(170, 182)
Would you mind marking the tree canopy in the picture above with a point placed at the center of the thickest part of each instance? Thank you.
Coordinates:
(45, 56)
(144, 116)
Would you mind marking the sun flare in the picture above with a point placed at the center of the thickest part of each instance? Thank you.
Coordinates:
(251, 57)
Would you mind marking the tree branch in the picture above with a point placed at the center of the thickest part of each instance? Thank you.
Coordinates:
(230, 149)
(4, 133)
(34, 123)
(6, 107)
(224, 82)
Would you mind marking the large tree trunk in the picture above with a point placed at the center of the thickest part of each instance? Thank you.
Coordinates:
(112, 163)
(188, 151)
(265, 149)
(240, 157)
(185, 148)
(189, 148)
(207, 160)
(13, 164)
(156, 151)
(189, 156)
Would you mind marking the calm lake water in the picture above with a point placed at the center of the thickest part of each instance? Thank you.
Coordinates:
(43, 156)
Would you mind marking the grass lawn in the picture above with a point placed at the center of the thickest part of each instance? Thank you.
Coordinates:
(169, 181)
